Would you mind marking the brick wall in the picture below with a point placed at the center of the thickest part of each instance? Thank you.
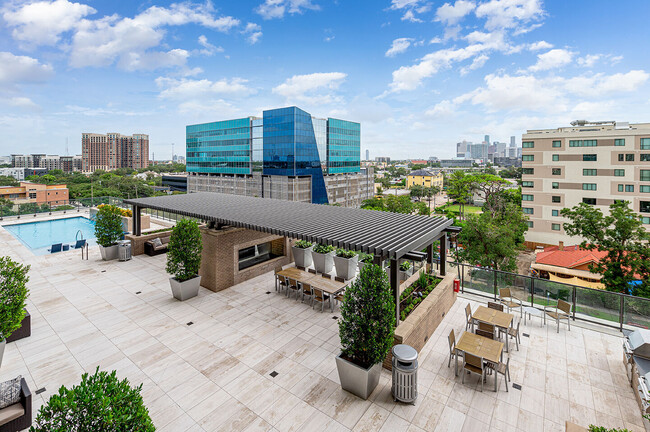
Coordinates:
(220, 258)
(423, 321)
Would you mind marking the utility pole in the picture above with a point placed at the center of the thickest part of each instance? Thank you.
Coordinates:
(172, 152)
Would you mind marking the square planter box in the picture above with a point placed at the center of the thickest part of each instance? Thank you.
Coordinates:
(186, 289)
(346, 267)
(24, 331)
(108, 253)
(357, 380)
(301, 256)
(323, 263)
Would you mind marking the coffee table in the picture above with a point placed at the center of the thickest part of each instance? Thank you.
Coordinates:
(529, 310)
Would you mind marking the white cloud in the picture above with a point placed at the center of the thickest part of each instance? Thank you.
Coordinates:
(539, 45)
(505, 14)
(443, 108)
(186, 89)
(589, 60)
(399, 46)
(254, 32)
(152, 60)
(208, 48)
(21, 69)
(411, 8)
(409, 15)
(277, 8)
(21, 102)
(601, 84)
(42, 22)
(312, 88)
(552, 59)
(477, 63)
(436, 40)
(451, 14)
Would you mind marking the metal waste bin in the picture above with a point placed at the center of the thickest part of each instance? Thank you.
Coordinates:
(124, 250)
(405, 374)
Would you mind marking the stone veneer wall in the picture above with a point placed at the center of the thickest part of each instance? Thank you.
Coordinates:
(220, 258)
(423, 321)
(137, 242)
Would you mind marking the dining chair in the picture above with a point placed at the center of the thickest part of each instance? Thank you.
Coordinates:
(561, 311)
(452, 346)
(487, 328)
(311, 270)
(474, 364)
(503, 369)
(294, 286)
(485, 334)
(326, 276)
(320, 297)
(339, 279)
(510, 302)
(307, 291)
(300, 268)
(495, 306)
(513, 332)
(468, 317)
(283, 283)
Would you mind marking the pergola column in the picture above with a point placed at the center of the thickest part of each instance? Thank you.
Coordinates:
(394, 284)
(137, 230)
(430, 257)
(443, 254)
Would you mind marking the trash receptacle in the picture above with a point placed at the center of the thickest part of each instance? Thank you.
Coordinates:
(124, 250)
(405, 374)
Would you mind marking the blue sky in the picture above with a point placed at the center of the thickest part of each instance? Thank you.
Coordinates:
(419, 75)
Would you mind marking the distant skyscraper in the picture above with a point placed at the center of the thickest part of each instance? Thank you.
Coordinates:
(113, 150)
(367, 154)
(512, 142)
(462, 148)
(487, 139)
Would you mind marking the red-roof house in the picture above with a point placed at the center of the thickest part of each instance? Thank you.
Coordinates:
(569, 264)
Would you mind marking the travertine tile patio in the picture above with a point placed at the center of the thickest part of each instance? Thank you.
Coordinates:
(213, 375)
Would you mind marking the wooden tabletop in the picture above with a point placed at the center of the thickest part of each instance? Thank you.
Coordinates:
(480, 346)
(295, 274)
(330, 286)
(493, 316)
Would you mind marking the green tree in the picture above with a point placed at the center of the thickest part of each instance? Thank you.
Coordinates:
(620, 234)
(8, 181)
(13, 280)
(431, 192)
(108, 225)
(185, 247)
(460, 189)
(417, 191)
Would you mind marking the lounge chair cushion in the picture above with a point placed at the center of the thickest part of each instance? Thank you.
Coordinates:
(12, 412)
(10, 392)
(157, 243)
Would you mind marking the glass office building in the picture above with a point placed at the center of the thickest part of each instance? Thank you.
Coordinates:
(284, 142)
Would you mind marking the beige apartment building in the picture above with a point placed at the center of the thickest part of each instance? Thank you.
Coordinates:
(592, 162)
(113, 150)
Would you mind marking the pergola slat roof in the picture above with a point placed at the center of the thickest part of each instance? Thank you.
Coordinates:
(390, 235)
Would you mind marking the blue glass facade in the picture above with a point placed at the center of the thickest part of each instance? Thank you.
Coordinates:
(343, 146)
(219, 147)
(285, 141)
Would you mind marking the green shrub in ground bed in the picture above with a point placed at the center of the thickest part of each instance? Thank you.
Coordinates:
(323, 249)
(405, 266)
(108, 225)
(13, 294)
(101, 402)
(184, 250)
(303, 244)
(367, 322)
(344, 253)
(365, 258)
(593, 428)
(413, 295)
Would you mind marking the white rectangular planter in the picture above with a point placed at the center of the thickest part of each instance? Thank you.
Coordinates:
(108, 253)
(185, 290)
(346, 267)
(357, 380)
(301, 256)
(323, 262)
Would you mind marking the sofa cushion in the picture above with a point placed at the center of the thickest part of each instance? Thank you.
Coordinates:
(12, 412)
(157, 243)
(10, 392)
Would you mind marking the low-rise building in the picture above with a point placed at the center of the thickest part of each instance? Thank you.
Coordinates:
(36, 193)
(424, 178)
(568, 264)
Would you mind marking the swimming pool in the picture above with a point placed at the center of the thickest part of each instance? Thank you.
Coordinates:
(40, 236)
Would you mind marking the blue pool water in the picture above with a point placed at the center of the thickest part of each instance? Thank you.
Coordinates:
(40, 236)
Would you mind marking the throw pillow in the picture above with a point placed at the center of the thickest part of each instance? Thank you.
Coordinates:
(157, 242)
(10, 392)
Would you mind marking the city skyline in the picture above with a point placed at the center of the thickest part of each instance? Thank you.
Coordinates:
(432, 74)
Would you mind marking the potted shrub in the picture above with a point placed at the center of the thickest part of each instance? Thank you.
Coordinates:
(346, 263)
(364, 259)
(322, 256)
(366, 330)
(13, 293)
(101, 402)
(405, 270)
(302, 253)
(108, 230)
(184, 259)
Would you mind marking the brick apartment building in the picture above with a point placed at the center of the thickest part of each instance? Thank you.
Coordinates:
(36, 193)
(113, 150)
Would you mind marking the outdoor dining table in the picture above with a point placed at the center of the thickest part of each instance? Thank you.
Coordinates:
(330, 286)
(496, 318)
(480, 346)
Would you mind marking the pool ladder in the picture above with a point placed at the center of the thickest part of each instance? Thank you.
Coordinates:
(76, 237)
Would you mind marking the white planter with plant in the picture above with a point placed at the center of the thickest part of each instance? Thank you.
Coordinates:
(302, 253)
(405, 270)
(13, 294)
(364, 259)
(184, 259)
(323, 258)
(346, 263)
(108, 230)
(366, 330)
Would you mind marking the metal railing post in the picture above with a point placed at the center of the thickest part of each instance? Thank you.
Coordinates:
(494, 272)
(574, 303)
(532, 292)
(621, 312)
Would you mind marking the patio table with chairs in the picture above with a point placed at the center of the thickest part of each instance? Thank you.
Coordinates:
(493, 317)
(322, 286)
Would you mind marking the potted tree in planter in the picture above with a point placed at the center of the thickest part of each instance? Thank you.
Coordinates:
(101, 402)
(364, 259)
(302, 253)
(108, 230)
(184, 259)
(346, 263)
(322, 256)
(366, 330)
(405, 270)
(13, 293)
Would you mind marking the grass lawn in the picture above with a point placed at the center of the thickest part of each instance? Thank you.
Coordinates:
(468, 208)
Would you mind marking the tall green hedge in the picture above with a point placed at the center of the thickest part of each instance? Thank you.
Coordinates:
(185, 247)
(13, 293)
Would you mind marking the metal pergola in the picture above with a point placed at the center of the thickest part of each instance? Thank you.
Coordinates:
(383, 234)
